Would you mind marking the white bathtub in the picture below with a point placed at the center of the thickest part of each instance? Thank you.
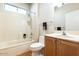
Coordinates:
(13, 43)
(12, 47)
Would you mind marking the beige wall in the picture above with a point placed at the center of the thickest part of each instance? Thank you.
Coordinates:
(42, 12)
(46, 14)
(35, 21)
(13, 25)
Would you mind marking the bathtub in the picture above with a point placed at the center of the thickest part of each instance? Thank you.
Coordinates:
(13, 43)
(12, 47)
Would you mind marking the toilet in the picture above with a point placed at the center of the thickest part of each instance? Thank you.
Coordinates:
(37, 46)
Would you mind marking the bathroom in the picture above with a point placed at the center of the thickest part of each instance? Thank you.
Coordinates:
(20, 27)
(24, 24)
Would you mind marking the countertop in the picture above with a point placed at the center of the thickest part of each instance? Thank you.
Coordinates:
(65, 37)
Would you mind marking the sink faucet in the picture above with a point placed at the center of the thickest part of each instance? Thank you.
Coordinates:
(63, 33)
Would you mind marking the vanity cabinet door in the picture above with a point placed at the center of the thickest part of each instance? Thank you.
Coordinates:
(49, 49)
(67, 48)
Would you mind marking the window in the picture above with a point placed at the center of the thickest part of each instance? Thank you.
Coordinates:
(22, 11)
(10, 8)
(15, 9)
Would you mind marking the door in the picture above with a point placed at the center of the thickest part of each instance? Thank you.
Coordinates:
(67, 48)
(50, 46)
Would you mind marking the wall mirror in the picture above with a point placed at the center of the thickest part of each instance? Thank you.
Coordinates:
(67, 16)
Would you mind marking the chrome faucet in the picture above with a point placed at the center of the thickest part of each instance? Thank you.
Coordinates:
(63, 33)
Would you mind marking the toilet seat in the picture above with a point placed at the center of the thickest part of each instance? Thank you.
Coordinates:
(36, 45)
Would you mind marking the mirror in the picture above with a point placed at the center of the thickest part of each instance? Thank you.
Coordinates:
(67, 16)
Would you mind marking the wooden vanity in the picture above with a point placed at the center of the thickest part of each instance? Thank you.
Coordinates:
(61, 46)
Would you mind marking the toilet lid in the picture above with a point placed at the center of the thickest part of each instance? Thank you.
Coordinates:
(36, 45)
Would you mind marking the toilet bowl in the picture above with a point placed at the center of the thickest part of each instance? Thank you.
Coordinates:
(37, 46)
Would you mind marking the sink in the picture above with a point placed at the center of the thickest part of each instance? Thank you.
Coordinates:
(65, 36)
(68, 36)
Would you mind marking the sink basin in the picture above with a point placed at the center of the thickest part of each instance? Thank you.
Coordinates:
(68, 36)
(65, 36)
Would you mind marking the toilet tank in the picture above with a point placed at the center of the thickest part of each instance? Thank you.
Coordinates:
(42, 40)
